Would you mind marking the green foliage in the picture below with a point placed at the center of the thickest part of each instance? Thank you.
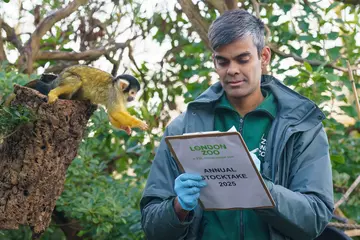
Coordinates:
(11, 118)
(8, 77)
(106, 202)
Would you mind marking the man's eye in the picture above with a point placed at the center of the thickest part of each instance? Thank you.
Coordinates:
(242, 60)
(222, 62)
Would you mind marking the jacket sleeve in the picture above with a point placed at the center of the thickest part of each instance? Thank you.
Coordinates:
(158, 217)
(305, 207)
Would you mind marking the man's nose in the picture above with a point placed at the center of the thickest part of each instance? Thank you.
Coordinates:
(233, 69)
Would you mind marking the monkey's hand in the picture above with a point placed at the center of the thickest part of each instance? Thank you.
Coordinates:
(124, 120)
(116, 124)
(52, 97)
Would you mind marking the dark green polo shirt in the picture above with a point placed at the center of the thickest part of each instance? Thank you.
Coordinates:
(254, 126)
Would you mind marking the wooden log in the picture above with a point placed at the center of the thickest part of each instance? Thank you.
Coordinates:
(34, 160)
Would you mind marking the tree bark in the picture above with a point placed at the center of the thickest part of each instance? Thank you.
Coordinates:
(31, 48)
(223, 5)
(2, 51)
(198, 22)
(70, 227)
(11, 35)
(354, 2)
(34, 159)
(91, 54)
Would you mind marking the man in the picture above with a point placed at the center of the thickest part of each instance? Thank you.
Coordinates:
(286, 127)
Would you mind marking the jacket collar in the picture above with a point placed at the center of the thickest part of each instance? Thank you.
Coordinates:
(291, 105)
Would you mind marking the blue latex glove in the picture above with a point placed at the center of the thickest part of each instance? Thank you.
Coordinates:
(187, 188)
(255, 158)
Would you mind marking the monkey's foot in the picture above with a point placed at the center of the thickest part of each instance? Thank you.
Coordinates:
(52, 98)
(143, 126)
(126, 129)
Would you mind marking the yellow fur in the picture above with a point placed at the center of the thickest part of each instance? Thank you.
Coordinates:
(87, 83)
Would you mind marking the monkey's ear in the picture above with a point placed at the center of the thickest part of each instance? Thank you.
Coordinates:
(123, 84)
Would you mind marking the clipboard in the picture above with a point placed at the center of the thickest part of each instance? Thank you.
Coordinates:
(224, 161)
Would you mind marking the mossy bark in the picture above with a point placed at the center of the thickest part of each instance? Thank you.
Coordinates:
(34, 159)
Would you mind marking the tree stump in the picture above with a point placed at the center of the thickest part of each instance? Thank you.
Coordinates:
(34, 160)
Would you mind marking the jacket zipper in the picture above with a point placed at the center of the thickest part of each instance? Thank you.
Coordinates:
(242, 234)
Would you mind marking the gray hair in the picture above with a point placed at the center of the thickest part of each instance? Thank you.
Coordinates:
(236, 25)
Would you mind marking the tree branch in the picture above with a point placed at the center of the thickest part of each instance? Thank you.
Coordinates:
(60, 65)
(115, 63)
(348, 192)
(2, 51)
(218, 5)
(32, 46)
(231, 4)
(354, 2)
(256, 7)
(353, 84)
(91, 54)
(222, 5)
(11, 35)
(198, 22)
(69, 227)
(276, 50)
(173, 50)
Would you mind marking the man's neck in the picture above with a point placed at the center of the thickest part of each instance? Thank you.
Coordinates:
(247, 104)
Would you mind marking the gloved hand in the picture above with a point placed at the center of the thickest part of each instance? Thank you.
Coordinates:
(187, 188)
(255, 158)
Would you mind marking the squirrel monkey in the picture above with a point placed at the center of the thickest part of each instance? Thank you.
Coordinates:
(81, 82)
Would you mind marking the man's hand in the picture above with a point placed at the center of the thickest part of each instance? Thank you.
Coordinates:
(187, 188)
(255, 158)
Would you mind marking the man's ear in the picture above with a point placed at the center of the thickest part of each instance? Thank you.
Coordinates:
(265, 59)
(213, 59)
(265, 56)
(123, 84)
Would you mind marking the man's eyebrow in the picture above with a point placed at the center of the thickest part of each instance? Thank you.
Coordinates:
(241, 55)
(219, 57)
(244, 54)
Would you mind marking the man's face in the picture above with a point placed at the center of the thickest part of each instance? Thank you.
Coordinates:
(239, 67)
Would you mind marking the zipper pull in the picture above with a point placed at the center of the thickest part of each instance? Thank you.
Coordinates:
(241, 125)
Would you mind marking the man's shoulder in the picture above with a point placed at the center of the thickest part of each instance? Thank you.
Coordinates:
(290, 102)
(177, 125)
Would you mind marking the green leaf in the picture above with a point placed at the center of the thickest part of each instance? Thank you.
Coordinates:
(332, 77)
(286, 7)
(333, 35)
(308, 67)
(332, 6)
(307, 38)
(274, 18)
(349, 110)
(339, 20)
(304, 26)
(334, 52)
(81, 233)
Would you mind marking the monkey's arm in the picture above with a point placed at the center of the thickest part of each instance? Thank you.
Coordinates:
(69, 84)
(123, 120)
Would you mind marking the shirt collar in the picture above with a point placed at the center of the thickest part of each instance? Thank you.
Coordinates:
(268, 104)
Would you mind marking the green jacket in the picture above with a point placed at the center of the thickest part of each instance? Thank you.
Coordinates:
(296, 169)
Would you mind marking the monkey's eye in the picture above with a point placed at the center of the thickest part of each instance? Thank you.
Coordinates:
(132, 92)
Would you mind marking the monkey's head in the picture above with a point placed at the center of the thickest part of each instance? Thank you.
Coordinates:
(129, 85)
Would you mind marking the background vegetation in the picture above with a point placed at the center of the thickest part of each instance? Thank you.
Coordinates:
(164, 44)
